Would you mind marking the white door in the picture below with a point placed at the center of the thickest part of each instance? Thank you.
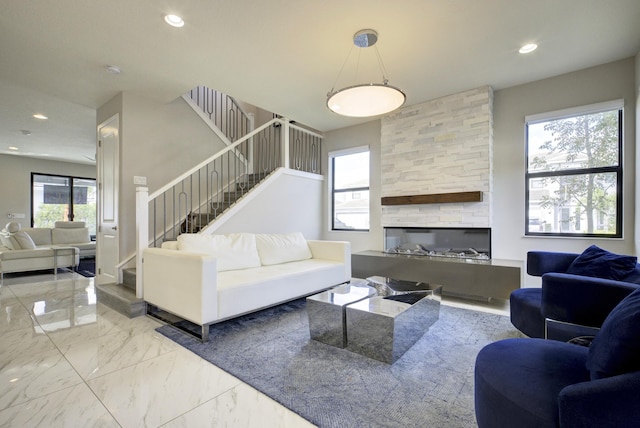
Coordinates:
(107, 239)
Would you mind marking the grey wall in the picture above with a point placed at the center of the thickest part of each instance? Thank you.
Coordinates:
(15, 176)
(157, 141)
(367, 134)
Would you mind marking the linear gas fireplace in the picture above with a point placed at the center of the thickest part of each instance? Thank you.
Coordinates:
(464, 243)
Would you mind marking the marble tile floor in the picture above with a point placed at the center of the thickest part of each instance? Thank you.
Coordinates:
(68, 361)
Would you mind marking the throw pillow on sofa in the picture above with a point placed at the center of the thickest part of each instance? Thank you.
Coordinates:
(24, 240)
(275, 248)
(599, 263)
(232, 251)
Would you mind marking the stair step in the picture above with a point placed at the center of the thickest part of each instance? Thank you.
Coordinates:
(129, 278)
(120, 299)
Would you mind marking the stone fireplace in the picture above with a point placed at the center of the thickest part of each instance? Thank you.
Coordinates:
(436, 188)
(438, 148)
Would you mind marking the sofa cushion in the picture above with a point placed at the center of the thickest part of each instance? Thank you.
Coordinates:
(9, 241)
(69, 224)
(24, 240)
(70, 236)
(232, 251)
(282, 248)
(616, 348)
(599, 263)
(40, 235)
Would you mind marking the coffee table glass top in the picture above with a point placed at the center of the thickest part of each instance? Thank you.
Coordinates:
(344, 294)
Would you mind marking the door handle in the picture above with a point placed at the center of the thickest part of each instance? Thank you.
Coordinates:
(115, 228)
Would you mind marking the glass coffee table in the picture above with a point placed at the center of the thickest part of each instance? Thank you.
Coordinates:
(385, 326)
(326, 311)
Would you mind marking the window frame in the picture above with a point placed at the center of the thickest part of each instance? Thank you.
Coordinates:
(332, 190)
(71, 179)
(617, 169)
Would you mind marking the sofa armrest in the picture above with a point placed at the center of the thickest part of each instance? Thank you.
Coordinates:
(581, 299)
(604, 402)
(541, 262)
(182, 283)
(337, 251)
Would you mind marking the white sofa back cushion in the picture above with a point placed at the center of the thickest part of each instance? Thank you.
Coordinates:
(39, 235)
(282, 248)
(70, 236)
(232, 251)
(70, 224)
(24, 240)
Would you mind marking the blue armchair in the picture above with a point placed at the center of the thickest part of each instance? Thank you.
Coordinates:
(572, 301)
(546, 383)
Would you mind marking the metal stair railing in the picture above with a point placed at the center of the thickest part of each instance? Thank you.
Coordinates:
(194, 199)
(223, 110)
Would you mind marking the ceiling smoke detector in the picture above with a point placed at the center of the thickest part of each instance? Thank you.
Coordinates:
(113, 69)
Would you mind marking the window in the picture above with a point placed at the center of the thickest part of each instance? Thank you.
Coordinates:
(350, 189)
(574, 172)
(62, 198)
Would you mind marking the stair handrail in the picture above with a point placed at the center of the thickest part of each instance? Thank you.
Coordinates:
(219, 154)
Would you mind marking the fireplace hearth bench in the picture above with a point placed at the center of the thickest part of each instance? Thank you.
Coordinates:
(207, 278)
(493, 278)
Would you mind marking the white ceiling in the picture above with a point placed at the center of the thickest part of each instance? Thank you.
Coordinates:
(281, 55)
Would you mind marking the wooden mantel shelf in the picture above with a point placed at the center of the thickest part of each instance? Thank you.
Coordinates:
(436, 198)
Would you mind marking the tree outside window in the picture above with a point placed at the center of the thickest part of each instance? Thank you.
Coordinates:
(574, 174)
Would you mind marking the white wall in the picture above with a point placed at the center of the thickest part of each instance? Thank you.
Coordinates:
(366, 134)
(15, 176)
(603, 83)
(290, 201)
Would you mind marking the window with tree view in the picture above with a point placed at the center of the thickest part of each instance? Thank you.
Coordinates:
(574, 172)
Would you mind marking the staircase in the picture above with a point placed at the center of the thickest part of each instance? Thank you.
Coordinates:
(192, 201)
(195, 222)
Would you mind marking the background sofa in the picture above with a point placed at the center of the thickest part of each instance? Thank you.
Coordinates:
(19, 251)
(65, 233)
(206, 278)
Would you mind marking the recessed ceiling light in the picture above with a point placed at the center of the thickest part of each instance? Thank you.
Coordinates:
(528, 48)
(174, 20)
(40, 116)
(13, 148)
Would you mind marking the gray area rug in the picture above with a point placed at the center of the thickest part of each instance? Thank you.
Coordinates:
(430, 386)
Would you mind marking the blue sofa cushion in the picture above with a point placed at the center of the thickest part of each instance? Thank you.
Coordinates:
(616, 348)
(599, 263)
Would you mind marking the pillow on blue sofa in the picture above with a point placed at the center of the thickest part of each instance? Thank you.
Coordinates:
(616, 347)
(599, 263)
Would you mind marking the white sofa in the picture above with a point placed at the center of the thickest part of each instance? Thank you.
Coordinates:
(64, 233)
(19, 253)
(206, 279)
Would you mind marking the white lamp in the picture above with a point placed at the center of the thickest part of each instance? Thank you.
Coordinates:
(368, 99)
